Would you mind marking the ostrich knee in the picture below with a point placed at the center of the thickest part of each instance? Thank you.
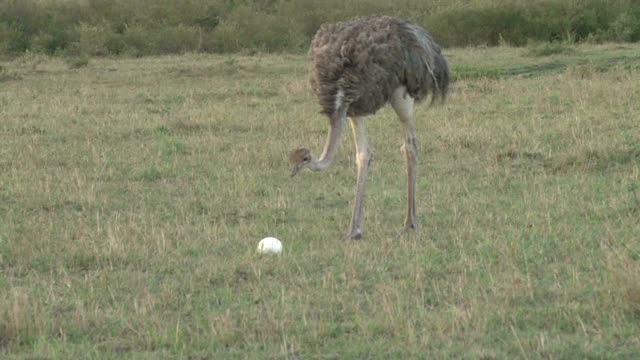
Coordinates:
(363, 158)
(410, 151)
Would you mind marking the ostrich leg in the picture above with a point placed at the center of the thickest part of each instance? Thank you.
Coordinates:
(410, 151)
(403, 104)
(362, 161)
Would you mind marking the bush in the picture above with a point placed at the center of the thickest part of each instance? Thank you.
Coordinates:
(483, 26)
(548, 21)
(53, 42)
(140, 40)
(175, 40)
(13, 41)
(93, 40)
(149, 27)
(247, 30)
(626, 27)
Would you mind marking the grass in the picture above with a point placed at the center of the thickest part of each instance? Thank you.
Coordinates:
(134, 193)
(547, 49)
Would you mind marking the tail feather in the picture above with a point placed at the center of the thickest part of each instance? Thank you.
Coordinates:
(428, 70)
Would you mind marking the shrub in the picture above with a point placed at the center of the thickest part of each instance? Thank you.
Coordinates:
(53, 42)
(626, 27)
(13, 41)
(94, 39)
(247, 30)
(176, 40)
(141, 40)
(26, 16)
(145, 27)
(483, 26)
(586, 23)
(548, 21)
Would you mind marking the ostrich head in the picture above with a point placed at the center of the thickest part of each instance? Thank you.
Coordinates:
(300, 158)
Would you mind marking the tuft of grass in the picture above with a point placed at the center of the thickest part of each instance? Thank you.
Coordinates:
(8, 75)
(550, 48)
(634, 189)
(624, 264)
(78, 62)
(149, 174)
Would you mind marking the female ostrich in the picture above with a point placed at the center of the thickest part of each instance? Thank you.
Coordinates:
(360, 66)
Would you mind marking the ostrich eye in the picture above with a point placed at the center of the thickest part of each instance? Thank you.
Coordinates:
(306, 158)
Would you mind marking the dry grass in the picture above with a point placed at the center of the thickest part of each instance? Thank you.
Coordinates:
(134, 193)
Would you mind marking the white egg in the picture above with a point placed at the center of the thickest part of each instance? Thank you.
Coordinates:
(270, 245)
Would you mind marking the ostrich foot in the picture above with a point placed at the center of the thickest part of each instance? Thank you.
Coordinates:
(354, 235)
(408, 228)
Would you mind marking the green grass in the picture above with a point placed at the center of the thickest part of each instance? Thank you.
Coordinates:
(133, 194)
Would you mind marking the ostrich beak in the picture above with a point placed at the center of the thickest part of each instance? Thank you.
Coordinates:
(295, 169)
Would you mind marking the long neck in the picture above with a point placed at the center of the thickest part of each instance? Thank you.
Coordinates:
(331, 146)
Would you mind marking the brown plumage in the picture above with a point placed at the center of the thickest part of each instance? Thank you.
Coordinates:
(369, 58)
(357, 68)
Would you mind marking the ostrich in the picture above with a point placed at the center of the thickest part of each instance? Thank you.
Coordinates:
(357, 68)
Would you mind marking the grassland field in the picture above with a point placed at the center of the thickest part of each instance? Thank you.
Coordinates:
(133, 193)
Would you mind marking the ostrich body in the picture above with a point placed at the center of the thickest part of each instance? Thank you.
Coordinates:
(357, 68)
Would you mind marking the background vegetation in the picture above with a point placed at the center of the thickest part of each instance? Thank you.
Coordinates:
(133, 193)
(147, 27)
